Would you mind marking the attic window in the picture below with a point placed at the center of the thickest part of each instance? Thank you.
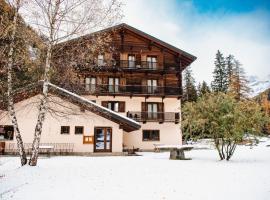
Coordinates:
(100, 60)
(33, 52)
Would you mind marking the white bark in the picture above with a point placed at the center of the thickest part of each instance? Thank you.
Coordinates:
(60, 20)
(11, 109)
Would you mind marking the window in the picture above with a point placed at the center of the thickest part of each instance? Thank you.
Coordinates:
(113, 84)
(100, 60)
(150, 135)
(90, 84)
(65, 129)
(6, 132)
(117, 106)
(152, 110)
(78, 130)
(113, 106)
(151, 86)
(152, 62)
(131, 61)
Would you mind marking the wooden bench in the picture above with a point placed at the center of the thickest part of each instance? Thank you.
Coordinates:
(48, 149)
(177, 152)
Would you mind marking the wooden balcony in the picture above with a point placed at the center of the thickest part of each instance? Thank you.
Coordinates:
(130, 90)
(131, 66)
(154, 117)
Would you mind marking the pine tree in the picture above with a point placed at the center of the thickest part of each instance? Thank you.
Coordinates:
(229, 69)
(204, 89)
(239, 83)
(189, 90)
(219, 83)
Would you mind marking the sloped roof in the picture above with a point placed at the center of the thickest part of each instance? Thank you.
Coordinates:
(125, 123)
(189, 58)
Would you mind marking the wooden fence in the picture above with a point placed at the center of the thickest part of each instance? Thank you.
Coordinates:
(58, 148)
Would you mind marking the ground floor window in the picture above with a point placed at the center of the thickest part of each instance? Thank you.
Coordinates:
(6, 132)
(65, 129)
(78, 130)
(150, 135)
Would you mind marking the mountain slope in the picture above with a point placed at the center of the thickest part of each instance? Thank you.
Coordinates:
(258, 85)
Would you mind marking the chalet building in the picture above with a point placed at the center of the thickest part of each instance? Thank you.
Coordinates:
(136, 82)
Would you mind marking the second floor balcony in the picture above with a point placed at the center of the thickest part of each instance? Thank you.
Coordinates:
(130, 66)
(154, 116)
(130, 90)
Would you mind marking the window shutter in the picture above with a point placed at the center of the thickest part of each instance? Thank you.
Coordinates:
(138, 58)
(122, 106)
(105, 80)
(144, 107)
(160, 107)
(122, 81)
(104, 104)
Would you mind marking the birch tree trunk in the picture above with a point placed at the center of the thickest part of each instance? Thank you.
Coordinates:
(42, 109)
(11, 109)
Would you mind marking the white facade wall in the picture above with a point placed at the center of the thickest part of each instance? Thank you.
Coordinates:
(27, 116)
(170, 132)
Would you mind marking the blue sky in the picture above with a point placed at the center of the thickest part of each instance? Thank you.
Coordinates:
(201, 27)
(235, 6)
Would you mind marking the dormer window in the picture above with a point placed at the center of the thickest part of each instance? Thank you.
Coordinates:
(100, 60)
(33, 52)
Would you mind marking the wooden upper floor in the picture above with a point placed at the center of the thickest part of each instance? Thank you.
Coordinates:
(131, 59)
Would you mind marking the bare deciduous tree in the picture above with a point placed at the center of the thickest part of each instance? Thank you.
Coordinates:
(10, 61)
(60, 20)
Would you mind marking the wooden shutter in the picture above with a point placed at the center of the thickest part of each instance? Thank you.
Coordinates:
(144, 108)
(104, 104)
(160, 107)
(138, 59)
(122, 81)
(160, 112)
(105, 80)
(122, 106)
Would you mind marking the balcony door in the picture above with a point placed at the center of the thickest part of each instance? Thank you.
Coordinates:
(114, 85)
(151, 62)
(90, 84)
(151, 86)
(103, 139)
(152, 111)
(131, 61)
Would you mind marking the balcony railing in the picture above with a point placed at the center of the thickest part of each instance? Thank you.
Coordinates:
(128, 65)
(154, 116)
(130, 90)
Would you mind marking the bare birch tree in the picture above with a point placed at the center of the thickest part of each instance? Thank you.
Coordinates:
(60, 20)
(16, 6)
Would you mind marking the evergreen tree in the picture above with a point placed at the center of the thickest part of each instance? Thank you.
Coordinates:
(219, 83)
(229, 69)
(189, 89)
(239, 83)
(204, 89)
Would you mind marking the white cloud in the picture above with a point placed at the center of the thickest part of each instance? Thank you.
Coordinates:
(246, 35)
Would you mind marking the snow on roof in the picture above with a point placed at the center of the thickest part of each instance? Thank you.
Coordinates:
(93, 104)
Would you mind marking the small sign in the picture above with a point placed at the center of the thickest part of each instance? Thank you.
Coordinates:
(88, 139)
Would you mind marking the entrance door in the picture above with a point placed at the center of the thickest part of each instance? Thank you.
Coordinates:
(103, 139)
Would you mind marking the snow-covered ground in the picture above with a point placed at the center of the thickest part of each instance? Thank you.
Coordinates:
(151, 176)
